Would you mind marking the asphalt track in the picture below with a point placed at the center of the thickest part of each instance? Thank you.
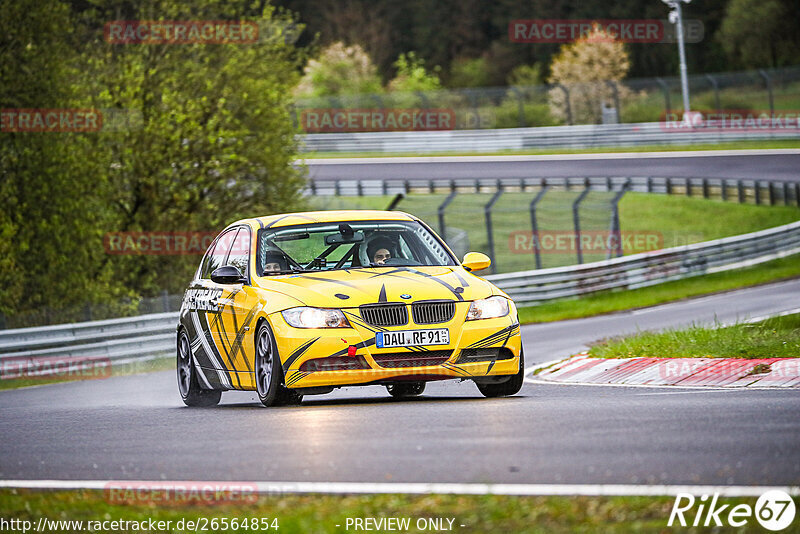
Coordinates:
(136, 428)
(742, 164)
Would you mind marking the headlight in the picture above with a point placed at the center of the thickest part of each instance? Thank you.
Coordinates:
(490, 308)
(315, 318)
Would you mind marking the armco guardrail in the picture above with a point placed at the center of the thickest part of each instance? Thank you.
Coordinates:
(650, 268)
(581, 136)
(150, 336)
(116, 340)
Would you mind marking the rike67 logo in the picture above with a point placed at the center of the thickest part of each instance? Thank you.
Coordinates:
(774, 510)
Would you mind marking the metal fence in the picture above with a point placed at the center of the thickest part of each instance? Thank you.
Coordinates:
(629, 101)
(533, 210)
(152, 336)
(528, 209)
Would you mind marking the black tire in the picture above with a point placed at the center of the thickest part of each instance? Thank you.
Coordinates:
(288, 397)
(406, 389)
(509, 387)
(267, 366)
(188, 386)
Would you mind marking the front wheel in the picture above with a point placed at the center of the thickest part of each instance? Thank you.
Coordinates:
(191, 392)
(510, 386)
(267, 367)
(409, 389)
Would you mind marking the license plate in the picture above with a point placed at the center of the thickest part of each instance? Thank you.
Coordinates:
(407, 338)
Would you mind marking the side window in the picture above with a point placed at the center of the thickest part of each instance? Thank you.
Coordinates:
(216, 253)
(240, 251)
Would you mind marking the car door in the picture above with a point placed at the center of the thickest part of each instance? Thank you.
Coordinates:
(233, 325)
(202, 302)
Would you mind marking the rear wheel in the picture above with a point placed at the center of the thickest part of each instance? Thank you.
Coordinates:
(510, 386)
(408, 389)
(191, 392)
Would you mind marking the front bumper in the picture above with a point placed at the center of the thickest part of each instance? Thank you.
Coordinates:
(310, 346)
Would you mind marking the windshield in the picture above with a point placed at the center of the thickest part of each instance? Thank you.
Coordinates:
(348, 245)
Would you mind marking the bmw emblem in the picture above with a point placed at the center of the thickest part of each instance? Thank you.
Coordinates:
(405, 296)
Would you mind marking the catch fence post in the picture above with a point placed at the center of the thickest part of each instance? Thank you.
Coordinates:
(577, 223)
(616, 231)
(535, 223)
(487, 210)
(440, 213)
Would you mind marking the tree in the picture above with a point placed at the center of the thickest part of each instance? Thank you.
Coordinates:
(412, 75)
(339, 70)
(469, 72)
(216, 141)
(759, 33)
(51, 215)
(583, 67)
(210, 140)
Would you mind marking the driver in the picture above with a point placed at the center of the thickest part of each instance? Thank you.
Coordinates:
(379, 250)
(275, 262)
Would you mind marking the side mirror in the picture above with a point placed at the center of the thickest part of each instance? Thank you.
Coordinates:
(227, 274)
(475, 261)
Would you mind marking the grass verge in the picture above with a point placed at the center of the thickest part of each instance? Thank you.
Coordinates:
(132, 368)
(777, 337)
(735, 145)
(322, 513)
(613, 301)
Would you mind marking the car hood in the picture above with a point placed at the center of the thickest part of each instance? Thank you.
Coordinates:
(353, 287)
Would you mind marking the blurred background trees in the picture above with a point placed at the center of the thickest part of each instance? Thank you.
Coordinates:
(206, 132)
(207, 138)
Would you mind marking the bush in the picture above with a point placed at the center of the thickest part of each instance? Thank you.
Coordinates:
(339, 70)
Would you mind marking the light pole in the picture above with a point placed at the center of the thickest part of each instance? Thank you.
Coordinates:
(676, 18)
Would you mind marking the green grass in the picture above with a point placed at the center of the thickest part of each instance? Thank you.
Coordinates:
(777, 337)
(321, 513)
(132, 368)
(734, 145)
(613, 301)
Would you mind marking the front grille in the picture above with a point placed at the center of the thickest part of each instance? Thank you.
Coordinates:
(412, 359)
(433, 312)
(484, 355)
(384, 314)
(334, 363)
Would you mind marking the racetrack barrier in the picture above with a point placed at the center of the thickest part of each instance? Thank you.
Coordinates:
(494, 140)
(651, 268)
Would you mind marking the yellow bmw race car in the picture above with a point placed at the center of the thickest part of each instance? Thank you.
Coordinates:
(300, 304)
